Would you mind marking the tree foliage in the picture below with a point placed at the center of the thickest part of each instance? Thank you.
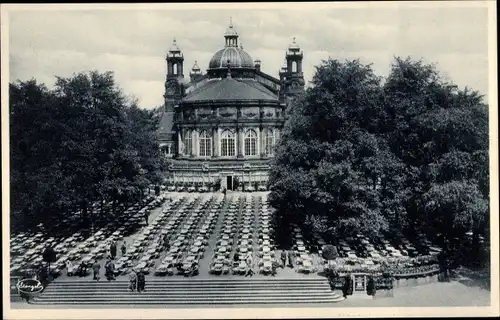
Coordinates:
(364, 155)
(82, 142)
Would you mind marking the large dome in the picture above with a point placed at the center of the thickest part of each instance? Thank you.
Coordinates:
(237, 57)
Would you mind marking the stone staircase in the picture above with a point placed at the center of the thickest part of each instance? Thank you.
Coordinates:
(190, 292)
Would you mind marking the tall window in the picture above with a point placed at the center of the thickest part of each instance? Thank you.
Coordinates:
(189, 142)
(269, 141)
(228, 148)
(251, 143)
(205, 144)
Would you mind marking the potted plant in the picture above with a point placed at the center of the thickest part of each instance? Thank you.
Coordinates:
(370, 286)
(347, 288)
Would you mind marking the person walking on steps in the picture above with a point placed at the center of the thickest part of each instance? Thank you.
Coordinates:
(141, 281)
(146, 217)
(110, 270)
(132, 280)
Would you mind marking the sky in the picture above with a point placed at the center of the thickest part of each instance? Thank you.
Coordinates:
(133, 42)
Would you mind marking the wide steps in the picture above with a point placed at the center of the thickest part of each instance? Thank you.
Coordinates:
(190, 291)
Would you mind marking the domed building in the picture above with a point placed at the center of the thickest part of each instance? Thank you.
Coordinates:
(221, 127)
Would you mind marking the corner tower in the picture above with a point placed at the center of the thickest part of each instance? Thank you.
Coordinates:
(175, 77)
(294, 78)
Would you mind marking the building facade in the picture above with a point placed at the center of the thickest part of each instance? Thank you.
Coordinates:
(222, 126)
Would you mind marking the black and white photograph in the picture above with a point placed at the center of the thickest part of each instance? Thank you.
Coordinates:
(249, 160)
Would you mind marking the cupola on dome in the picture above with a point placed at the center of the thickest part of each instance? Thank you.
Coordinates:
(237, 58)
(231, 55)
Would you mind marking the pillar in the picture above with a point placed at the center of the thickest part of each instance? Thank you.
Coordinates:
(214, 140)
(239, 144)
(217, 142)
(258, 144)
(196, 145)
(179, 143)
(190, 151)
(262, 148)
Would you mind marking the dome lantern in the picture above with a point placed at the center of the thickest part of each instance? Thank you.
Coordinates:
(195, 69)
(231, 35)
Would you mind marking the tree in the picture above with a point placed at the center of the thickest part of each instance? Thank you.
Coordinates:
(359, 155)
(328, 160)
(79, 144)
(440, 132)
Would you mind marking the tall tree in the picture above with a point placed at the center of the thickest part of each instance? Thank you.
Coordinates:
(76, 145)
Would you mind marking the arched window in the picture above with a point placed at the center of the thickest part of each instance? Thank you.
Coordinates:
(188, 142)
(228, 147)
(251, 143)
(269, 142)
(294, 66)
(174, 68)
(205, 144)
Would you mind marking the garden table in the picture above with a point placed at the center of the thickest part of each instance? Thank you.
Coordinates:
(198, 243)
(219, 258)
(222, 249)
(243, 249)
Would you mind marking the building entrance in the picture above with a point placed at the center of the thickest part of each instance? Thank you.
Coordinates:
(229, 182)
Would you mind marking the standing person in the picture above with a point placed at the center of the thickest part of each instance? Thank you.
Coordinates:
(249, 261)
(69, 268)
(124, 248)
(96, 267)
(132, 280)
(112, 250)
(141, 281)
(110, 270)
(146, 217)
(290, 262)
(283, 258)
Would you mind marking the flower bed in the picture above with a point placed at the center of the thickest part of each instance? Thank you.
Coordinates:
(396, 266)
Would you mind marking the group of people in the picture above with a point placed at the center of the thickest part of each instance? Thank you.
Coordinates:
(109, 266)
(249, 261)
(113, 249)
(286, 259)
(137, 281)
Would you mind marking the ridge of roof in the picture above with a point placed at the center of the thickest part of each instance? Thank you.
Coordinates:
(202, 87)
(257, 85)
(231, 89)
